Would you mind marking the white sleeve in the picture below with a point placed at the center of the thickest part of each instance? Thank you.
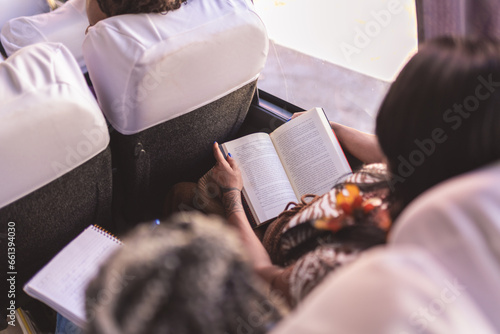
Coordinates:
(393, 291)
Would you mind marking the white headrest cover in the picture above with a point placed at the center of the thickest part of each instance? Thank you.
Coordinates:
(65, 25)
(50, 122)
(12, 9)
(150, 68)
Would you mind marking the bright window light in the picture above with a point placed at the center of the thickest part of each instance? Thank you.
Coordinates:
(337, 54)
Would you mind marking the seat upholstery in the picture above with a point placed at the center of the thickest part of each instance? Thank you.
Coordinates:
(13, 9)
(150, 68)
(151, 161)
(64, 25)
(171, 85)
(56, 162)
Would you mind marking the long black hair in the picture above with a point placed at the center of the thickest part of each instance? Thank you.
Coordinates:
(441, 116)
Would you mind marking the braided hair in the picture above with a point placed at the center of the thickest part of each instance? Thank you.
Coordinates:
(119, 7)
(188, 275)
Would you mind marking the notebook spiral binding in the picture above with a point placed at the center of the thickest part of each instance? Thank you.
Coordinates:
(106, 233)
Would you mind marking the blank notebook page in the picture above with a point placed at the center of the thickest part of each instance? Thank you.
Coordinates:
(62, 282)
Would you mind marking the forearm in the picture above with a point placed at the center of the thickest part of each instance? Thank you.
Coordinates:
(228, 176)
(237, 218)
(362, 145)
(259, 257)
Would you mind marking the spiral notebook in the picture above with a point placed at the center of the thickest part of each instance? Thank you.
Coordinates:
(61, 283)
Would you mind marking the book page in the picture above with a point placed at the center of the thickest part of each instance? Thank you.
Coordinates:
(310, 153)
(61, 284)
(265, 182)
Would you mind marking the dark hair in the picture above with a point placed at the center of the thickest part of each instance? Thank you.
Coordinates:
(119, 7)
(441, 115)
(188, 275)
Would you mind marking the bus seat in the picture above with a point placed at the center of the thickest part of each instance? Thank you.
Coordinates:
(171, 85)
(55, 173)
(64, 25)
(13, 9)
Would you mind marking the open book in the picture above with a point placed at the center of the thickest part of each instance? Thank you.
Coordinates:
(303, 156)
(61, 284)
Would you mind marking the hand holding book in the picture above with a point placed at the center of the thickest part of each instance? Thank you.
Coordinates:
(227, 175)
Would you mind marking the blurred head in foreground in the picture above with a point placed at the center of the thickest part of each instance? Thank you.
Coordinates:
(187, 275)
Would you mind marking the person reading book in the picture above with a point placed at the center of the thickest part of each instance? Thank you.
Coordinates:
(443, 251)
(439, 119)
(330, 242)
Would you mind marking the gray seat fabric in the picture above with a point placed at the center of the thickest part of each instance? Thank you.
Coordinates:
(148, 163)
(55, 170)
(50, 217)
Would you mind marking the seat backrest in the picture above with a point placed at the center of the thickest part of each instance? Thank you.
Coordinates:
(150, 68)
(64, 25)
(457, 222)
(13, 9)
(56, 163)
(171, 85)
(150, 162)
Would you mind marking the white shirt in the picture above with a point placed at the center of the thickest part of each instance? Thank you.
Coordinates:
(439, 273)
